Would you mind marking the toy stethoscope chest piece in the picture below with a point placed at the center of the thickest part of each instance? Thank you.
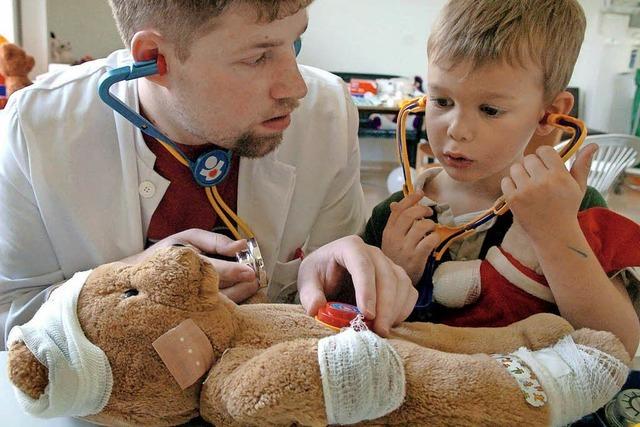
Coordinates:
(448, 234)
(209, 169)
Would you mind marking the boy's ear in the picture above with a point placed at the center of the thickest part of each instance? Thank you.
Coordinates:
(147, 45)
(561, 104)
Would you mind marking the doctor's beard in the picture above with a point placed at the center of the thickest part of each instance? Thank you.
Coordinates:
(254, 146)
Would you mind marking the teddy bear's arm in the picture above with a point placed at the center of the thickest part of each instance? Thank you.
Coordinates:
(535, 332)
(277, 386)
(26, 372)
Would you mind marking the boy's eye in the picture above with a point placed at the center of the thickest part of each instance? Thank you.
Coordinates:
(490, 111)
(442, 102)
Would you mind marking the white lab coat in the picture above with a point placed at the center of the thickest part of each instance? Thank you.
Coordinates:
(78, 189)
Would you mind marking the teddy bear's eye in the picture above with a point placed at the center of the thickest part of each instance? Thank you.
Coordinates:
(130, 293)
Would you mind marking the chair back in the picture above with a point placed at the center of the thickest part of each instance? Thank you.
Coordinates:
(617, 152)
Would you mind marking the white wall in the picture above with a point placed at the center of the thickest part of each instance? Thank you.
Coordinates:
(33, 30)
(370, 36)
(8, 23)
(87, 24)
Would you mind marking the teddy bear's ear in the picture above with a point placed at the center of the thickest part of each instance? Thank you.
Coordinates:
(26, 372)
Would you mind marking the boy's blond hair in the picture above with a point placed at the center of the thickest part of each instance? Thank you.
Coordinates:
(182, 21)
(547, 32)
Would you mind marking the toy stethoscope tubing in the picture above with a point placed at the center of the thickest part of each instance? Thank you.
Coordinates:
(199, 167)
(449, 234)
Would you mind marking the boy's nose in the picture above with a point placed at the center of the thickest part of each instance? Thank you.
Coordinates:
(289, 82)
(460, 130)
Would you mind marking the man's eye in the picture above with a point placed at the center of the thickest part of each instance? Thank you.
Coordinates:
(257, 61)
(442, 102)
(490, 111)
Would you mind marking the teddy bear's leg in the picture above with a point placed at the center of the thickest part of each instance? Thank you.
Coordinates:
(537, 331)
(445, 389)
(277, 386)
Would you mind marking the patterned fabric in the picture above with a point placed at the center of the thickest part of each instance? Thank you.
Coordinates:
(527, 381)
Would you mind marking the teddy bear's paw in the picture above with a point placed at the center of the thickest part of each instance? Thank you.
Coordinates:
(577, 379)
(457, 283)
(26, 372)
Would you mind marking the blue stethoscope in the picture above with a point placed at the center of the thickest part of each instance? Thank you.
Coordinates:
(209, 169)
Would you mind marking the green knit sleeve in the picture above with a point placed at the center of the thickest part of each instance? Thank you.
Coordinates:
(592, 198)
(375, 226)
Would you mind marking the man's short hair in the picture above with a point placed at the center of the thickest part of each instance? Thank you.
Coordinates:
(182, 21)
(547, 32)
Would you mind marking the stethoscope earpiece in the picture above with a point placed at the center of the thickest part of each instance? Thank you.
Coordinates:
(210, 169)
(450, 234)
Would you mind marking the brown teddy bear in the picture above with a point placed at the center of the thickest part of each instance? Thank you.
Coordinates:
(15, 65)
(156, 344)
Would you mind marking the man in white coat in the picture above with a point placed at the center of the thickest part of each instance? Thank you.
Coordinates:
(80, 186)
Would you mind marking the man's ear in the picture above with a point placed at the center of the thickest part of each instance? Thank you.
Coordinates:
(561, 104)
(147, 45)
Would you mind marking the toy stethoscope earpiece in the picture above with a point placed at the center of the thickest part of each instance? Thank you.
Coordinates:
(210, 169)
(449, 234)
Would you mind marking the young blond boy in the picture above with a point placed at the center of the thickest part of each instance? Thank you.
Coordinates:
(495, 69)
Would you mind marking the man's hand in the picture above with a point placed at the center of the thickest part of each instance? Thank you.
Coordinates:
(383, 290)
(408, 237)
(237, 281)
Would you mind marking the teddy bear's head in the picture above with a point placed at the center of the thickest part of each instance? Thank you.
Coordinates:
(14, 62)
(123, 309)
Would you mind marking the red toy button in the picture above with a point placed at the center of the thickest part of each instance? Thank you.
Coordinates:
(337, 315)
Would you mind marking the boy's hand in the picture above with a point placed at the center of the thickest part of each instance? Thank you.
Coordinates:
(543, 195)
(408, 237)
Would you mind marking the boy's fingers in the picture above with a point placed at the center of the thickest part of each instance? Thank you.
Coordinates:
(582, 165)
(508, 187)
(405, 221)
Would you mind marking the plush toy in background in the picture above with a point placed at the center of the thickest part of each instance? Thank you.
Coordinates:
(60, 51)
(508, 285)
(15, 66)
(131, 345)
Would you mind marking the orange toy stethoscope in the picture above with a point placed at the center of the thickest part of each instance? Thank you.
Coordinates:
(448, 234)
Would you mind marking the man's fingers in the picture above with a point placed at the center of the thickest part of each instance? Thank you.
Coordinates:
(362, 270)
(212, 243)
(231, 272)
(407, 295)
(241, 291)
(310, 290)
(386, 292)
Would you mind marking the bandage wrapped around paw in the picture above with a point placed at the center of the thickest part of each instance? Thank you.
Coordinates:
(362, 376)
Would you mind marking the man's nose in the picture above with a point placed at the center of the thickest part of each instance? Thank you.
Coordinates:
(289, 83)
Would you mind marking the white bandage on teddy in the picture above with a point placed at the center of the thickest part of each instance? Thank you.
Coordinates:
(457, 283)
(362, 376)
(577, 379)
(80, 377)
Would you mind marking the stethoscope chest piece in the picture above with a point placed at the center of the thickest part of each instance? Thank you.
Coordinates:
(211, 168)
